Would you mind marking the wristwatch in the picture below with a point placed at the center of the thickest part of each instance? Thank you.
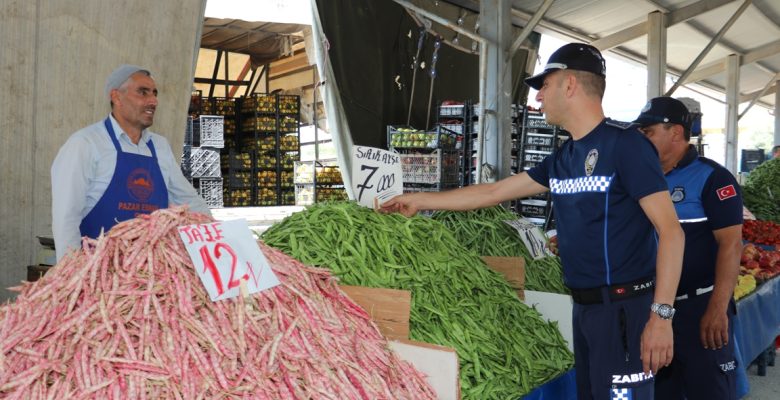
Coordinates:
(665, 311)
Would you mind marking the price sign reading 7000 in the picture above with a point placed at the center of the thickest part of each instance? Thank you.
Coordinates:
(224, 254)
(376, 175)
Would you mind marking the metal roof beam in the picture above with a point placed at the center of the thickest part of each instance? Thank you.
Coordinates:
(716, 67)
(529, 27)
(710, 45)
(771, 89)
(674, 17)
(759, 95)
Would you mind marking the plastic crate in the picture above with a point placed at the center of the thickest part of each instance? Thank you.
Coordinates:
(259, 123)
(210, 189)
(456, 110)
(409, 138)
(211, 130)
(240, 180)
(533, 156)
(289, 143)
(237, 197)
(259, 103)
(538, 122)
(433, 168)
(236, 161)
(304, 195)
(288, 104)
(539, 139)
(186, 161)
(303, 172)
(205, 163)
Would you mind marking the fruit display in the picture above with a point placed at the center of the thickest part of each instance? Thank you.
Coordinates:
(415, 138)
(260, 123)
(331, 194)
(240, 179)
(289, 143)
(329, 175)
(288, 160)
(286, 179)
(763, 264)
(266, 197)
(288, 198)
(260, 144)
(288, 104)
(266, 178)
(217, 106)
(230, 126)
(761, 232)
(288, 124)
(266, 161)
(238, 197)
(746, 284)
(259, 104)
(236, 161)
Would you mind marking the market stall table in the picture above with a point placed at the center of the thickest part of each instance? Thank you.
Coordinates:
(756, 326)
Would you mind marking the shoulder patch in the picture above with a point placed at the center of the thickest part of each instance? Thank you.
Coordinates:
(620, 124)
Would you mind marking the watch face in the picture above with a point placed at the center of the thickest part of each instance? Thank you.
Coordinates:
(664, 311)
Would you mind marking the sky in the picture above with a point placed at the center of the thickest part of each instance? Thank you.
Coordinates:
(627, 91)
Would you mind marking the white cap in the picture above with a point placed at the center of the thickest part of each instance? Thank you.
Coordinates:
(120, 75)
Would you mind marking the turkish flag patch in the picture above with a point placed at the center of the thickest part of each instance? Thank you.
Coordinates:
(726, 192)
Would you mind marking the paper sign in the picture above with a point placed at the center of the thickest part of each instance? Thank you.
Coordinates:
(532, 238)
(224, 254)
(376, 175)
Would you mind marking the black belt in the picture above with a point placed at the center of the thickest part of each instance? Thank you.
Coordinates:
(615, 292)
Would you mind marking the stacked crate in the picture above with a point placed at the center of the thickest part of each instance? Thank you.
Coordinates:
(203, 139)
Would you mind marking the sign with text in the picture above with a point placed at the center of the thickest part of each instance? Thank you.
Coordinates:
(224, 254)
(376, 175)
(532, 238)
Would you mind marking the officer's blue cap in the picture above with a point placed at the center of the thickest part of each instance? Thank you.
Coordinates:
(575, 56)
(664, 110)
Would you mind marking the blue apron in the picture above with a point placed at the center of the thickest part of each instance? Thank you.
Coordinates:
(137, 187)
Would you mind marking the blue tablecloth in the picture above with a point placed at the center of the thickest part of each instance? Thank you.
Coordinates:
(756, 326)
(563, 387)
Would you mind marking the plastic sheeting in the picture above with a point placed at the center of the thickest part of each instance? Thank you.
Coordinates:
(756, 326)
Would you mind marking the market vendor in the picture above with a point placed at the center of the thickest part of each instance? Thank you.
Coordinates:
(709, 205)
(610, 197)
(116, 169)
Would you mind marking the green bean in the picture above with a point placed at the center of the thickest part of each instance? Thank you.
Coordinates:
(456, 300)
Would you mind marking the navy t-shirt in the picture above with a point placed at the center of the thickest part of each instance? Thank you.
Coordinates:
(706, 197)
(604, 236)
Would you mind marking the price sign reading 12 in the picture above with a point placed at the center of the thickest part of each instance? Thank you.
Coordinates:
(224, 254)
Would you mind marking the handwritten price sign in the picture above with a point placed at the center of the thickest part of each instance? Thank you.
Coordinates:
(225, 254)
(376, 175)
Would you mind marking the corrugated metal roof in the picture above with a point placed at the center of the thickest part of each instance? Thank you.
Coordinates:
(755, 35)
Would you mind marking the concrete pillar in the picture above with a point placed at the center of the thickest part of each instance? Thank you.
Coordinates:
(496, 25)
(656, 54)
(732, 116)
(777, 113)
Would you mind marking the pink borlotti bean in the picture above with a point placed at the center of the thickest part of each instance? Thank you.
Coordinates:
(127, 318)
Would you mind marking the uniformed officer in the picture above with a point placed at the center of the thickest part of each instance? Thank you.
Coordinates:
(610, 197)
(709, 205)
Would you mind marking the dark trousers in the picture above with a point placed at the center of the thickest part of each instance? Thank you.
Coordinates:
(607, 341)
(695, 372)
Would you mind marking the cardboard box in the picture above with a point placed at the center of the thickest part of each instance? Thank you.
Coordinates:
(512, 268)
(388, 308)
(438, 363)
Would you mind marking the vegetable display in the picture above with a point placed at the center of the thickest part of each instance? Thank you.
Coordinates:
(128, 318)
(504, 347)
(762, 232)
(485, 232)
(761, 192)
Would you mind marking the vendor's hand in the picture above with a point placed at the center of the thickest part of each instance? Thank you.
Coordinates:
(403, 204)
(657, 347)
(714, 328)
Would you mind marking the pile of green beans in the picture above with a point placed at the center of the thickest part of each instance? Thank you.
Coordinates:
(485, 232)
(505, 348)
(545, 275)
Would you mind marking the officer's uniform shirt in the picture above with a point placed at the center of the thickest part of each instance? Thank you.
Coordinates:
(706, 197)
(604, 236)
